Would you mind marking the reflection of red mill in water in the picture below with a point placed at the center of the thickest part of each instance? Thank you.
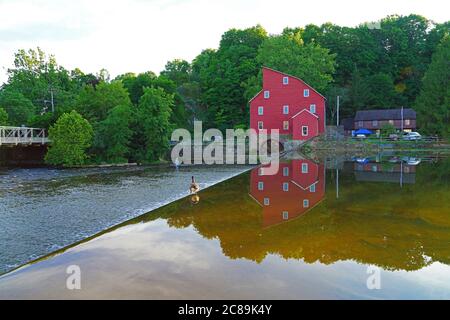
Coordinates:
(298, 186)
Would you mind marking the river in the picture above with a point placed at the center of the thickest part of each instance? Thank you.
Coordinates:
(42, 210)
(364, 228)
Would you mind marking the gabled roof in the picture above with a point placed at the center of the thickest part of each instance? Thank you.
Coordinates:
(305, 188)
(288, 75)
(255, 96)
(385, 114)
(304, 111)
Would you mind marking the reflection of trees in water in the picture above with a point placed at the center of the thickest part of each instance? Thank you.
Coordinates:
(372, 223)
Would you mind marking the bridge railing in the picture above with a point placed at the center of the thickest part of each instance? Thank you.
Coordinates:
(22, 135)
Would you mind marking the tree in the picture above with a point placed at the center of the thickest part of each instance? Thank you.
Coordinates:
(387, 129)
(376, 91)
(341, 41)
(113, 135)
(94, 103)
(135, 84)
(310, 62)
(179, 71)
(221, 75)
(39, 78)
(151, 138)
(3, 117)
(433, 103)
(70, 137)
(380, 92)
(19, 108)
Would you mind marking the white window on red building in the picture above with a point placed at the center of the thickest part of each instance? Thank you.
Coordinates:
(306, 93)
(285, 80)
(305, 168)
(260, 186)
(305, 131)
(266, 94)
(285, 215)
(285, 172)
(306, 203)
(286, 186)
(286, 109)
(266, 201)
(407, 122)
(285, 125)
(260, 111)
(312, 108)
(312, 188)
(260, 125)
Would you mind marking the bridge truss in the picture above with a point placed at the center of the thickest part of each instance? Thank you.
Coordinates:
(22, 136)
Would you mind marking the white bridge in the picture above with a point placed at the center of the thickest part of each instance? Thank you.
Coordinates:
(11, 136)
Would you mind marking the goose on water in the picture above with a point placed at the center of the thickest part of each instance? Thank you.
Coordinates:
(194, 188)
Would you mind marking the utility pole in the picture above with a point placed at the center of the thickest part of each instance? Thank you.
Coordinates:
(52, 100)
(402, 120)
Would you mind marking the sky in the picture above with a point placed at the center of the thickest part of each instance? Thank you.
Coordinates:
(142, 35)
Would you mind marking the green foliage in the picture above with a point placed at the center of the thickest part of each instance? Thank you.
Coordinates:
(376, 92)
(178, 71)
(94, 103)
(44, 120)
(222, 73)
(3, 117)
(387, 129)
(400, 49)
(113, 135)
(310, 62)
(38, 77)
(70, 137)
(153, 126)
(19, 108)
(135, 84)
(433, 104)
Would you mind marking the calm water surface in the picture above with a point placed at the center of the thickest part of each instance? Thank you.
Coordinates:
(313, 230)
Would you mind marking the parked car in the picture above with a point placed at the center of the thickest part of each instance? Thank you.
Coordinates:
(412, 136)
(393, 136)
(411, 161)
(361, 136)
(362, 160)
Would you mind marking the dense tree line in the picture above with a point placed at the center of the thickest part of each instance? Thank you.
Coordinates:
(399, 61)
(90, 117)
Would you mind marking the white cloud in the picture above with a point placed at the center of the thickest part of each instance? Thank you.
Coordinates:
(141, 35)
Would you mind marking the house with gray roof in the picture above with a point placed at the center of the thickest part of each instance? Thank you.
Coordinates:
(402, 119)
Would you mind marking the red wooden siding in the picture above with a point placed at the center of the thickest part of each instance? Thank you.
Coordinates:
(301, 186)
(292, 95)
